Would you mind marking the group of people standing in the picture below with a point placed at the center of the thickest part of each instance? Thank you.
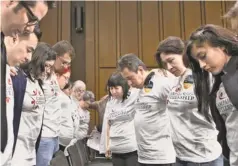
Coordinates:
(183, 114)
(40, 110)
(152, 118)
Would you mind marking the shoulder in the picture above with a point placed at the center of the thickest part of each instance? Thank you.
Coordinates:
(159, 80)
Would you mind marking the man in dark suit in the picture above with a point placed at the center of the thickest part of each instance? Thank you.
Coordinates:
(17, 17)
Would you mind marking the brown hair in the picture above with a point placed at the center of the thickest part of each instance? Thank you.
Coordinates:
(63, 47)
(171, 45)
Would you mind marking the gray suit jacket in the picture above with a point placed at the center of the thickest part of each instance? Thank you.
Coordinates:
(230, 80)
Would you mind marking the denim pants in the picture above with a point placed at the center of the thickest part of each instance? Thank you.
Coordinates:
(216, 162)
(46, 150)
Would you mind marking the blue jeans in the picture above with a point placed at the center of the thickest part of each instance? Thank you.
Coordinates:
(46, 150)
(226, 161)
(217, 162)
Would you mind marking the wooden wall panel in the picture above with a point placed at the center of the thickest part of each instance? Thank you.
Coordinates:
(56, 25)
(49, 27)
(192, 16)
(104, 74)
(90, 46)
(213, 13)
(128, 27)
(107, 34)
(228, 5)
(150, 28)
(65, 20)
(171, 19)
(119, 27)
(90, 58)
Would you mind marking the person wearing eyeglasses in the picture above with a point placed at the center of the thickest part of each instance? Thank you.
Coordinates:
(16, 17)
(78, 89)
(20, 16)
(49, 141)
(63, 60)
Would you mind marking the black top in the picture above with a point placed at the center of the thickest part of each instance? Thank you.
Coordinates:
(3, 95)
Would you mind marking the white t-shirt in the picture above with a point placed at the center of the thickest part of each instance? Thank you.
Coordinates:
(84, 119)
(6, 156)
(152, 123)
(102, 146)
(52, 112)
(30, 125)
(69, 120)
(230, 116)
(121, 121)
(194, 138)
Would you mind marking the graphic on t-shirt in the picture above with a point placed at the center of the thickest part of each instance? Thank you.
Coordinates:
(9, 81)
(221, 95)
(7, 99)
(148, 87)
(188, 82)
(223, 103)
(37, 98)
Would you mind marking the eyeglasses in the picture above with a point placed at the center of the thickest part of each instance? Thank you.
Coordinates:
(64, 63)
(66, 78)
(32, 19)
(79, 90)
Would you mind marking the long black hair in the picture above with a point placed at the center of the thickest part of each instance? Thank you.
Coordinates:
(116, 79)
(215, 36)
(36, 67)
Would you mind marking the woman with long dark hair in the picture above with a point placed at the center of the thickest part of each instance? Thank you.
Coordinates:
(194, 137)
(33, 104)
(214, 49)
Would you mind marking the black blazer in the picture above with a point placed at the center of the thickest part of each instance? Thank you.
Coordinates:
(19, 86)
(230, 80)
(4, 131)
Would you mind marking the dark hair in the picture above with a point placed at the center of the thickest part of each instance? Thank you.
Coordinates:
(36, 31)
(116, 79)
(63, 47)
(130, 61)
(215, 36)
(32, 4)
(88, 96)
(36, 66)
(68, 85)
(171, 45)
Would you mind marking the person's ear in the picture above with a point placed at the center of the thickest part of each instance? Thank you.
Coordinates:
(140, 69)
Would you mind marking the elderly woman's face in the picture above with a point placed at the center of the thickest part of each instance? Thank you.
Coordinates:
(78, 92)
